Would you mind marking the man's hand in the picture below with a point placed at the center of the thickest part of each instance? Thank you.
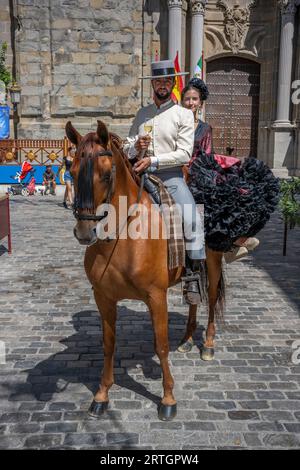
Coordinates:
(142, 165)
(142, 143)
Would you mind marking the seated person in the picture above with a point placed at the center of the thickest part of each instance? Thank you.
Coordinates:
(49, 179)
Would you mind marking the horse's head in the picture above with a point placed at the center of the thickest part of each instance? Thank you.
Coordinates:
(92, 170)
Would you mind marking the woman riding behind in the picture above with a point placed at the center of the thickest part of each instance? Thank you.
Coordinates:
(238, 196)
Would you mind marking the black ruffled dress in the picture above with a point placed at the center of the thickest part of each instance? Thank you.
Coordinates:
(238, 198)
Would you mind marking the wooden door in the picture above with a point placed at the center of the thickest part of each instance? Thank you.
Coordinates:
(232, 108)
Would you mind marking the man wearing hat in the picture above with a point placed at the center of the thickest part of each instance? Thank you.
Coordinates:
(164, 153)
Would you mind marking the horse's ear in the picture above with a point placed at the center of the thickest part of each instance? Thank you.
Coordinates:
(102, 133)
(72, 134)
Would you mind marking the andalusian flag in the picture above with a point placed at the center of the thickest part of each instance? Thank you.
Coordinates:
(176, 93)
(198, 72)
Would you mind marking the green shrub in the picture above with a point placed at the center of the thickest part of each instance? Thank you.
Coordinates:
(290, 201)
(5, 74)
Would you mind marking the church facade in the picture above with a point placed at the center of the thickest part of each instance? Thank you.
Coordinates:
(81, 60)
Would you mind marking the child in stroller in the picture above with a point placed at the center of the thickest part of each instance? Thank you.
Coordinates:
(26, 181)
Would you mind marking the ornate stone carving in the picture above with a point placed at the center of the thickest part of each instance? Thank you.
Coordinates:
(198, 6)
(184, 5)
(175, 3)
(236, 20)
(218, 42)
(288, 7)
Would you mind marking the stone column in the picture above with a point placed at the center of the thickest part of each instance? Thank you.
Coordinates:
(175, 7)
(182, 58)
(197, 31)
(288, 10)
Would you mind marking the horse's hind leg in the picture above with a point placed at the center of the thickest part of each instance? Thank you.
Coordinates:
(214, 269)
(187, 342)
(157, 304)
(108, 311)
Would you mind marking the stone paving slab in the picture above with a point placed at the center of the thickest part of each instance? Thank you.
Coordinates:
(248, 397)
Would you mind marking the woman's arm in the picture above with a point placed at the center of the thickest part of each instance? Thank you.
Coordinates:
(206, 143)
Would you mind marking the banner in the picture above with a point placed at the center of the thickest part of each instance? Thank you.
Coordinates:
(4, 122)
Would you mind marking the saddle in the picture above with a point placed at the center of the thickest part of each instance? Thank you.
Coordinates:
(160, 196)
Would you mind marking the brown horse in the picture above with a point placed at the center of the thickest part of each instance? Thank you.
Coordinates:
(127, 268)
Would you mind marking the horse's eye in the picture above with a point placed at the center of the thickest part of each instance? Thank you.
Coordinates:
(106, 177)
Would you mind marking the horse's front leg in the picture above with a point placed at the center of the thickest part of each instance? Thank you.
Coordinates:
(108, 311)
(214, 269)
(158, 307)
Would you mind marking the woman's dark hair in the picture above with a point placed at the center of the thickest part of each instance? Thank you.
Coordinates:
(199, 85)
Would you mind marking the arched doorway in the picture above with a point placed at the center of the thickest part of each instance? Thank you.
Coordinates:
(232, 108)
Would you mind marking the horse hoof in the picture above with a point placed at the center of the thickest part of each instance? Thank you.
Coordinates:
(167, 412)
(207, 354)
(97, 408)
(186, 346)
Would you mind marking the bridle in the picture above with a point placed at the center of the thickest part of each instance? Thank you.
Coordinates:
(98, 218)
(93, 216)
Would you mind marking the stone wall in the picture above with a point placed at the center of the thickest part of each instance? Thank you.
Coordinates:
(81, 59)
(5, 28)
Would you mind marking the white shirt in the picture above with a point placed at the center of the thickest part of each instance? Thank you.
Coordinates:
(172, 136)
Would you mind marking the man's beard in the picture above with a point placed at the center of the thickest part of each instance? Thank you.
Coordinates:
(163, 97)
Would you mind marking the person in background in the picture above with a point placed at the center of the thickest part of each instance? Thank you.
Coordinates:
(49, 180)
(67, 163)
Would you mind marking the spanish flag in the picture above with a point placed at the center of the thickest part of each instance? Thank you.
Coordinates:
(176, 93)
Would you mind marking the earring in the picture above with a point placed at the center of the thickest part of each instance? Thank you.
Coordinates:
(199, 112)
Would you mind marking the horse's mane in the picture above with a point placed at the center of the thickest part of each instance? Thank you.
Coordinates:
(116, 140)
(93, 138)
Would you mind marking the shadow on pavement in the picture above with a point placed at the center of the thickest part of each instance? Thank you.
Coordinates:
(81, 361)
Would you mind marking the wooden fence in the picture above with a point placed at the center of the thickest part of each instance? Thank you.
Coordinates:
(39, 152)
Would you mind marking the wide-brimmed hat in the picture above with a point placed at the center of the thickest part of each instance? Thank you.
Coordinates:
(164, 68)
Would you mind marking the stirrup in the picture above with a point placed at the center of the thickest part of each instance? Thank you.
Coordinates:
(192, 296)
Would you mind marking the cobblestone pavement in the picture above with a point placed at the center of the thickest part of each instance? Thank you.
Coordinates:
(248, 397)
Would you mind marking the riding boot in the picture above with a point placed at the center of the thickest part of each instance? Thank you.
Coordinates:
(152, 189)
(193, 289)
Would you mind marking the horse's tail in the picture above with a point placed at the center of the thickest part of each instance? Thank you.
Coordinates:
(203, 282)
(221, 299)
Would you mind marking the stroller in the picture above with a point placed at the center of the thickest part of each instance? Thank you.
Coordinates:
(26, 181)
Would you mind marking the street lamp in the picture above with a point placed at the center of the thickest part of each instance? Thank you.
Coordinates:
(15, 97)
(15, 93)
